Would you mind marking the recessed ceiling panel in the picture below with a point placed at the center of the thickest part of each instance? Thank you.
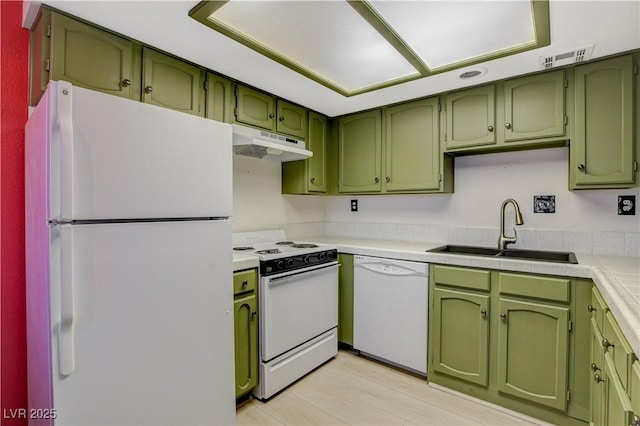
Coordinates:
(326, 38)
(443, 33)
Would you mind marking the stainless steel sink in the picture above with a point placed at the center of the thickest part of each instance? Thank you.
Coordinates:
(533, 255)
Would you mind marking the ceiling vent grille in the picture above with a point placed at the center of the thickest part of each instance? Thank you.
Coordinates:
(574, 56)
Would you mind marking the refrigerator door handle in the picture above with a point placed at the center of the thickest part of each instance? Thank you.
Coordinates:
(66, 348)
(65, 127)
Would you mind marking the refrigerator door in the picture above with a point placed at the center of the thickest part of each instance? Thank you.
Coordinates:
(113, 158)
(142, 323)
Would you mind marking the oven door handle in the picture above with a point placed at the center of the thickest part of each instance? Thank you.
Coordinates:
(323, 268)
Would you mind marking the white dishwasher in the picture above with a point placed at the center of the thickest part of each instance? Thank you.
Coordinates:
(390, 311)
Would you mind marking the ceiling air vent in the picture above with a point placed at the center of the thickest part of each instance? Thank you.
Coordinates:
(578, 55)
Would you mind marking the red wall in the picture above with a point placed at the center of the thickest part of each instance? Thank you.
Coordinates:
(14, 47)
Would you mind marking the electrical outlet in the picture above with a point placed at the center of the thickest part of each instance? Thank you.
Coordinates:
(544, 203)
(627, 205)
(354, 205)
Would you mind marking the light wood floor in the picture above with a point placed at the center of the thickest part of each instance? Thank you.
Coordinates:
(352, 390)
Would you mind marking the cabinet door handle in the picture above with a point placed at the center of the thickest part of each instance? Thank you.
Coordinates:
(313, 180)
(507, 125)
(126, 82)
(377, 179)
(253, 314)
(590, 308)
(490, 128)
(272, 115)
(598, 379)
(388, 179)
(503, 317)
(607, 344)
(483, 313)
(594, 367)
(281, 118)
(581, 167)
(245, 283)
(148, 89)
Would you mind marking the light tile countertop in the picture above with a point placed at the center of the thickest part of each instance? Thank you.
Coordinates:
(617, 277)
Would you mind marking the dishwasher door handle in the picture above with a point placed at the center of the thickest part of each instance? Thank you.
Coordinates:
(388, 268)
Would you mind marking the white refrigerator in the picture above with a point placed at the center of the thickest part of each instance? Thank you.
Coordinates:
(129, 263)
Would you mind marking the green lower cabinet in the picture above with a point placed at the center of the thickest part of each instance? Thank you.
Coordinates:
(514, 339)
(533, 352)
(345, 299)
(171, 83)
(460, 335)
(245, 323)
(617, 404)
(596, 413)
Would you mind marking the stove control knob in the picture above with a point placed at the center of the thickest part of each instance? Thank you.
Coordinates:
(322, 256)
(307, 259)
(279, 264)
(289, 263)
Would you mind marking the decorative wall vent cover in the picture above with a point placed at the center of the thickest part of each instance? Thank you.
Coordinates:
(578, 55)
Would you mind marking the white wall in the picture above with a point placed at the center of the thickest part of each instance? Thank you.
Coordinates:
(585, 221)
(258, 203)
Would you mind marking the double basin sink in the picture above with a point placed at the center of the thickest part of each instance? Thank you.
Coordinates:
(534, 255)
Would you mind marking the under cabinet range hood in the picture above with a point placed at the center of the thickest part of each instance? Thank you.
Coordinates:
(269, 146)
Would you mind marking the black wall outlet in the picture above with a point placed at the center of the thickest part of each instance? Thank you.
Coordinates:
(354, 205)
(627, 205)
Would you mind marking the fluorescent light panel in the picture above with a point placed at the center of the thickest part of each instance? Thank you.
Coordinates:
(363, 45)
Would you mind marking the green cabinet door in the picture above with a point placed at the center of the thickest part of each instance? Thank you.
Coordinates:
(602, 150)
(460, 335)
(596, 371)
(533, 352)
(39, 51)
(218, 103)
(412, 141)
(171, 83)
(291, 119)
(617, 404)
(255, 108)
(471, 118)
(345, 299)
(309, 176)
(360, 152)
(534, 106)
(246, 343)
(91, 58)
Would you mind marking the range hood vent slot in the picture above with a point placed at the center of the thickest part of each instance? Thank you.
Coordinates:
(581, 54)
(269, 146)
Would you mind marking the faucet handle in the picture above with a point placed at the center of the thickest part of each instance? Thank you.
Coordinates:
(515, 235)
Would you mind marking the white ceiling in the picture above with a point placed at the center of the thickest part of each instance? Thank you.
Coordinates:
(612, 26)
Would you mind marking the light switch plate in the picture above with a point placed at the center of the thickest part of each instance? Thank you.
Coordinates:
(627, 205)
(544, 203)
(354, 205)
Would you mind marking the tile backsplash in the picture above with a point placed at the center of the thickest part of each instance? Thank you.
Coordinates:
(608, 243)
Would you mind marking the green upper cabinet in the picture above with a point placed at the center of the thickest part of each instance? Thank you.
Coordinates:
(262, 110)
(412, 142)
(471, 118)
(172, 83)
(291, 119)
(360, 152)
(309, 176)
(219, 98)
(254, 108)
(39, 51)
(91, 58)
(534, 107)
(534, 334)
(602, 151)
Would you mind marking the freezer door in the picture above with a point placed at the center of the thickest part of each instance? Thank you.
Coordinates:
(142, 324)
(114, 158)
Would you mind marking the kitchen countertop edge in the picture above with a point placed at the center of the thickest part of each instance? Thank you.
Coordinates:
(617, 278)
